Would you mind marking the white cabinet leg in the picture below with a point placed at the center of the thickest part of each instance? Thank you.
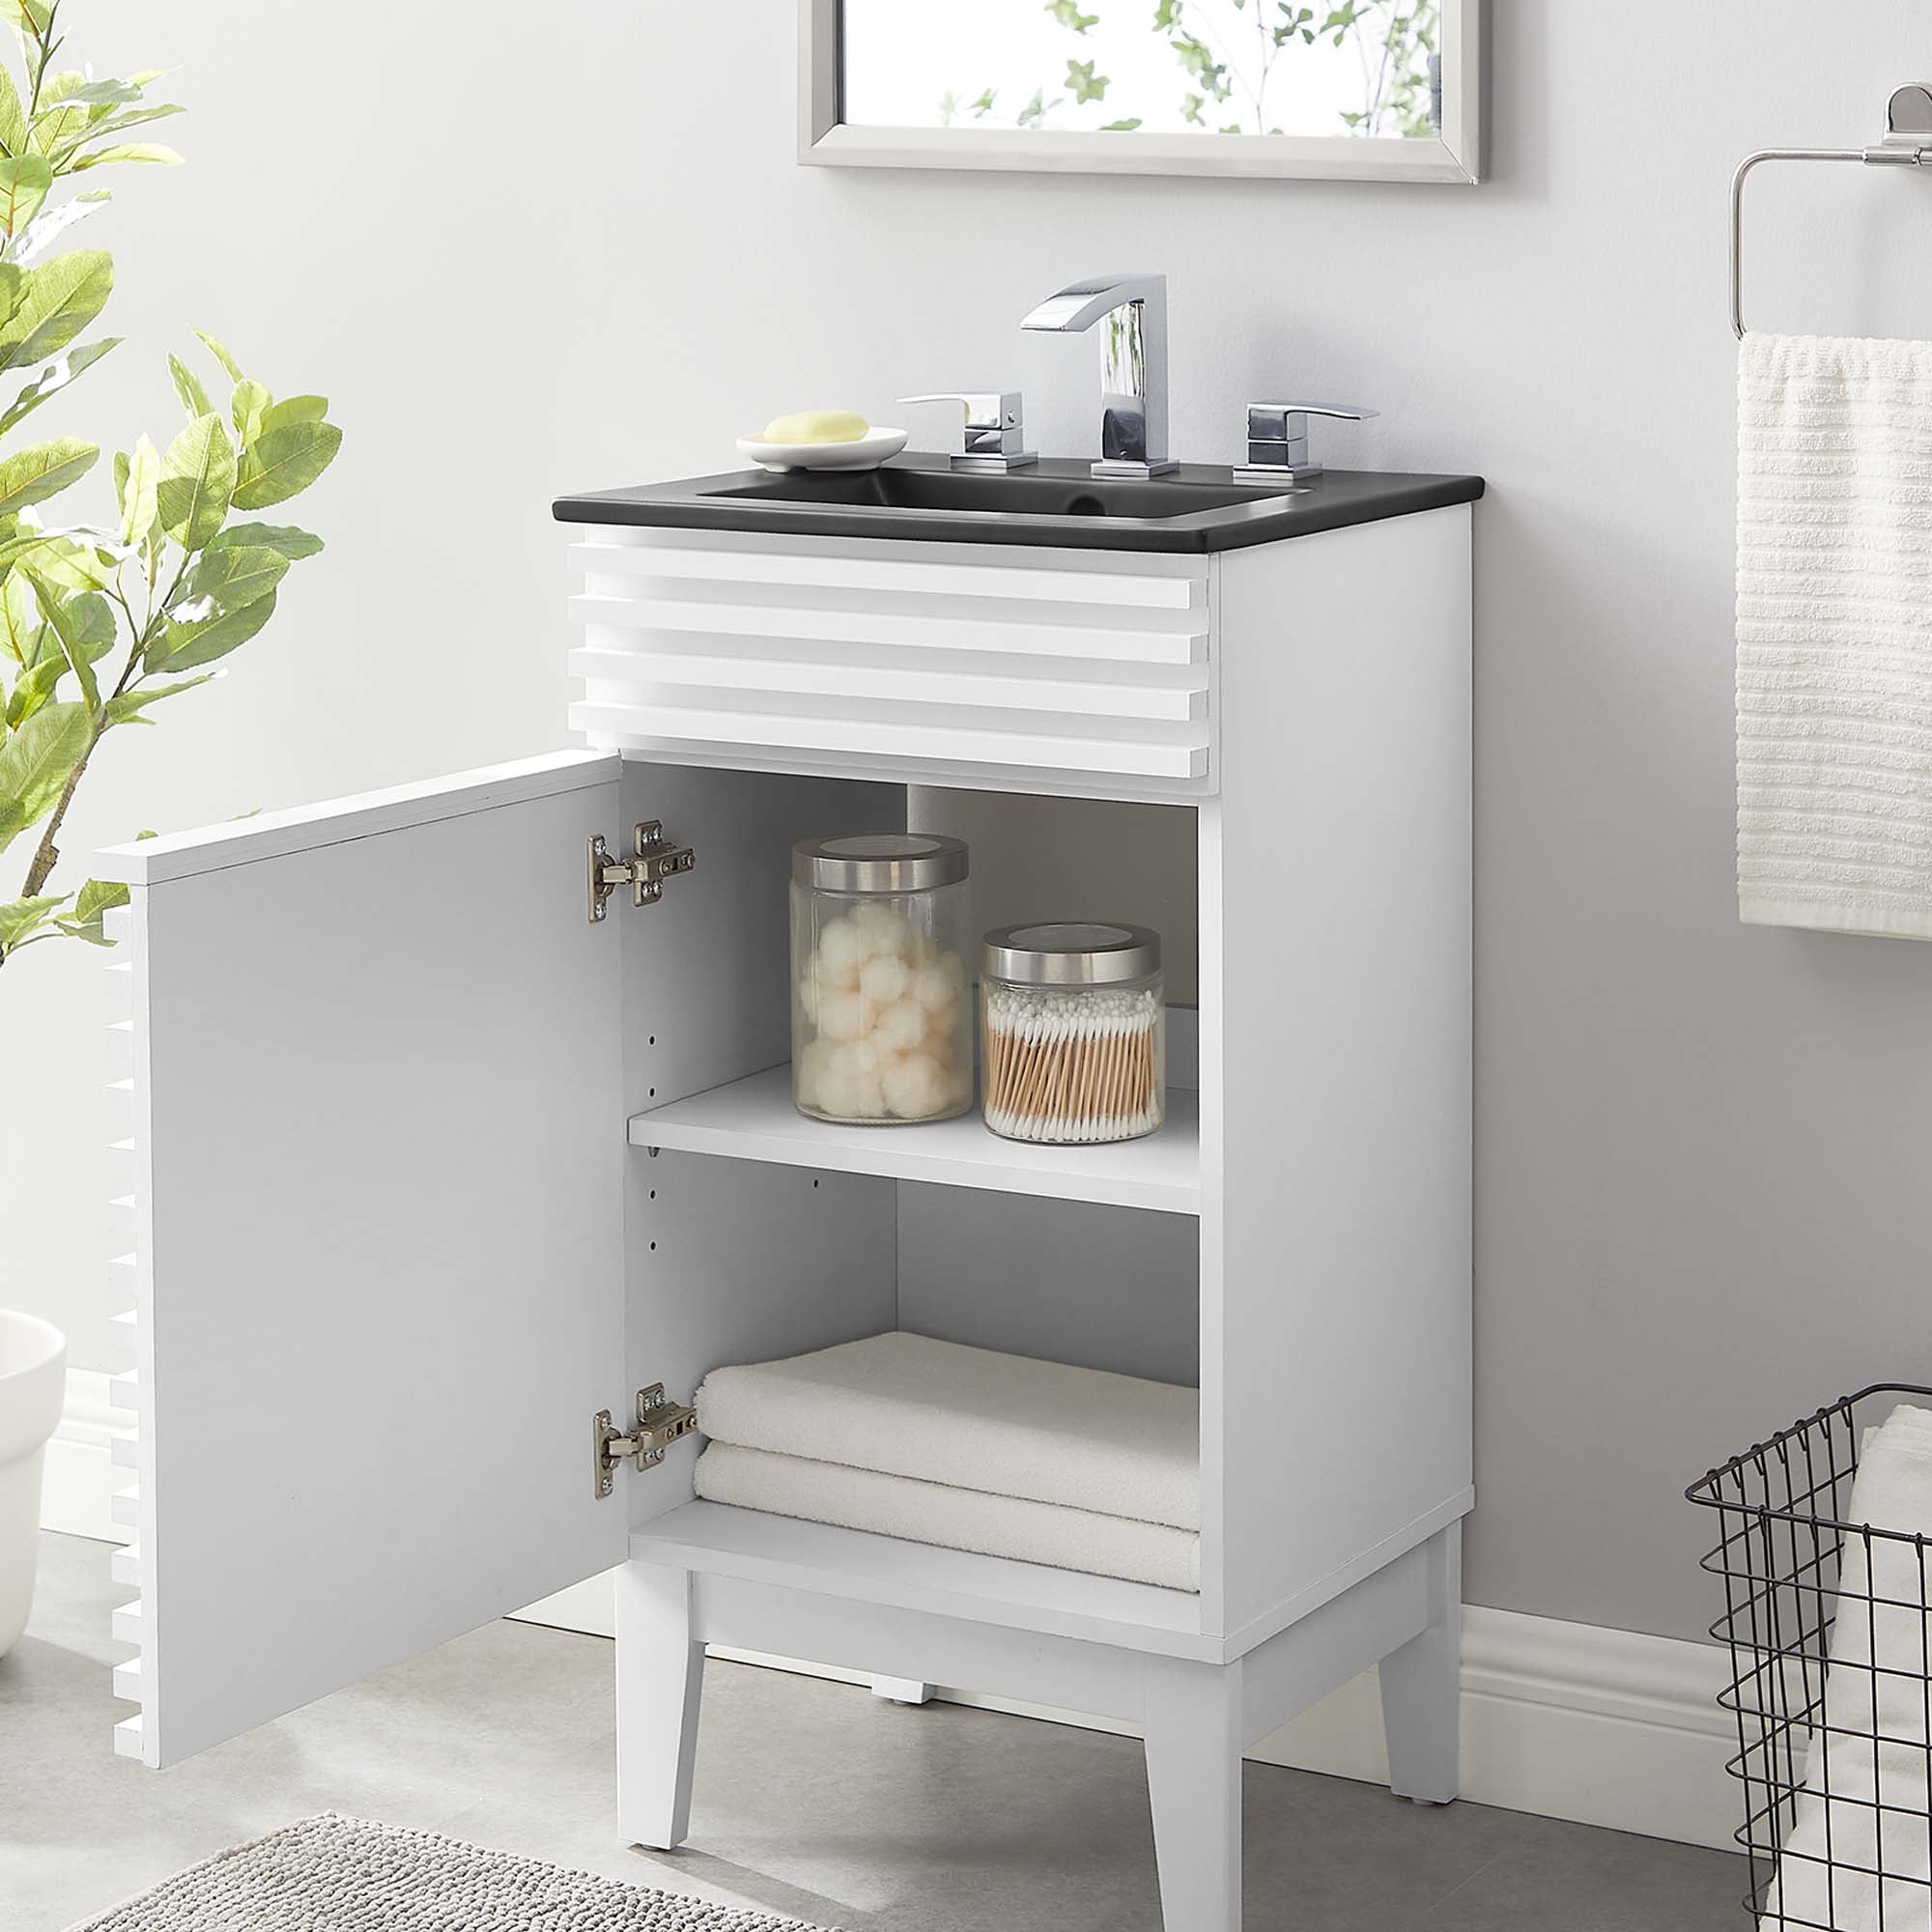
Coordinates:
(902, 1690)
(660, 1674)
(1193, 1733)
(1422, 1687)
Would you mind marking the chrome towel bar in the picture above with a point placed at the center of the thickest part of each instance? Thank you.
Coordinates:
(1907, 143)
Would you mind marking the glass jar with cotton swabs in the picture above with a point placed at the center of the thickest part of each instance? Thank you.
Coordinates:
(882, 1021)
(1073, 1032)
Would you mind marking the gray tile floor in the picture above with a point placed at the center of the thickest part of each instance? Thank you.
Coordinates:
(812, 1798)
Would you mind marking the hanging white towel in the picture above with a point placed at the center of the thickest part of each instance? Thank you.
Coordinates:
(1029, 1532)
(908, 1405)
(1834, 635)
(1872, 1752)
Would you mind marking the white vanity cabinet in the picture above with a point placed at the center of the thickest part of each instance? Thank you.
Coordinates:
(428, 1167)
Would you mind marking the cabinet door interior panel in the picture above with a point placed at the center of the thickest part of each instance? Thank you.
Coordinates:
(375, 1090)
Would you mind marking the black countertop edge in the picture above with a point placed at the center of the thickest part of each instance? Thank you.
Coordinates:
(1336, 500)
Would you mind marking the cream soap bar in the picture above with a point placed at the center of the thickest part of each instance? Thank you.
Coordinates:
(805, 426)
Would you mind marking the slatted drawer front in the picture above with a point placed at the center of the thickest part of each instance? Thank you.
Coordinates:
(1078, 667)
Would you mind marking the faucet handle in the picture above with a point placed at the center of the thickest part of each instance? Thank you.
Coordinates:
(1278, 439)
(992, 428)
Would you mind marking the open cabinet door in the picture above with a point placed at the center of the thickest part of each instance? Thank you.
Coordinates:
(379, 1147)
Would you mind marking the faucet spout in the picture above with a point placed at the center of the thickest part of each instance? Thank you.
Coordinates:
(1133, 370)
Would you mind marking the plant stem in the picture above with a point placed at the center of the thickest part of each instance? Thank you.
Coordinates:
(47, 855)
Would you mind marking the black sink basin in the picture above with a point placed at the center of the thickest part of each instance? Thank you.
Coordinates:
(1023, 492)
(1054, 502)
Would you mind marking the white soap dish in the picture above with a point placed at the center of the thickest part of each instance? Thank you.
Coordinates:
(866, 452)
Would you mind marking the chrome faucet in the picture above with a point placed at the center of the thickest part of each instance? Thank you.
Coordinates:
(1133, 367)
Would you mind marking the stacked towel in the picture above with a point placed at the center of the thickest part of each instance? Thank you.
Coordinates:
(967, 1448)
(1834, 635)
(1873, 1749)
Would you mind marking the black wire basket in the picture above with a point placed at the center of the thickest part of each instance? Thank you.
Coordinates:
(1830, 1628)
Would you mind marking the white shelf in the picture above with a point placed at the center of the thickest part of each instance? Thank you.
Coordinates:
(755, 1120)
(854, 1564)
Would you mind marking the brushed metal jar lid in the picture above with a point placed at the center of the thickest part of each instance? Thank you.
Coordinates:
(1070, 955)
(879, 862)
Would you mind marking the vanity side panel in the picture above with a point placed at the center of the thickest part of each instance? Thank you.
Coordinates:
(1336, 1078)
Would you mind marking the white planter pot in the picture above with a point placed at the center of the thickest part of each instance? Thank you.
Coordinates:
(33, 1378)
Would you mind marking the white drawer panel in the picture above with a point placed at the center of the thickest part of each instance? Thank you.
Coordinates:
(1033, 685)
(870, 655)
(890, 739)
(632, 554)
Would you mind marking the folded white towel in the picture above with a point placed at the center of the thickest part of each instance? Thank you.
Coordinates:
(1834, 635)
(1032, 1532)
(1893, 1490)
(908, 1405)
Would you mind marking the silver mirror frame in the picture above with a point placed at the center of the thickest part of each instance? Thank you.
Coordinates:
(824, 140)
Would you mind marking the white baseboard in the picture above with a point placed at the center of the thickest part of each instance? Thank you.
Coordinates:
(78, 1478)
(1569, 1720)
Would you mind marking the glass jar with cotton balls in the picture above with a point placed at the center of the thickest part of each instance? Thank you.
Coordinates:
(881, 1015)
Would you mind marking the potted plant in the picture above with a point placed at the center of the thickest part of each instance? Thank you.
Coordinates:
(101, 622)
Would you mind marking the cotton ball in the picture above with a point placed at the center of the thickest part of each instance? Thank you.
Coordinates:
(902, 1026)
(915, 1086)
(938, 1042)
(884, 978)
(841, 1015)
(808, 999)
(809, 1074)
(870, 1101)
(885, 930)
(843, 949)
(857, 1059)
(939, 984)
(839, 1095)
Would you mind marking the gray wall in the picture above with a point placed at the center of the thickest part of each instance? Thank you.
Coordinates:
(522, 261)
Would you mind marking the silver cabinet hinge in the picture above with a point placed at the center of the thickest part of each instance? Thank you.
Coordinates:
(660, 1422)
(653, 861)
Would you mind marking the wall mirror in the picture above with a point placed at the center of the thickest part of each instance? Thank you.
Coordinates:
(1363, 90)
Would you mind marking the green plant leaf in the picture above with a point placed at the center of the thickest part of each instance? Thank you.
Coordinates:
(187, 386)
(134, 150)
(229, 595)
(46, 227)
(101, 93)
(283, 463)
(222, 355)
(82, 624)
(72, 559)
(20, 917)
(102, 128)
(295, 409)
(32, 475)
(46, 308)
(19, 621)
(293, 544)
(1126, 127)
(127, 706)
(1086, 85)
(24, 182)
(54, 378)
(183, 646)
(249, 407)
(35, 764)
(13, 116)
(197, 481)
(1070, 16)
(33, 688)
(139, 497)
(92, 904)
(27, 17)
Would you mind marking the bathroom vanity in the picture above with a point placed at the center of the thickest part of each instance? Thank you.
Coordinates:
(460, 1124)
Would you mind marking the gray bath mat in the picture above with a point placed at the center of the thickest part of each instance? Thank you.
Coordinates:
(333, 1874)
